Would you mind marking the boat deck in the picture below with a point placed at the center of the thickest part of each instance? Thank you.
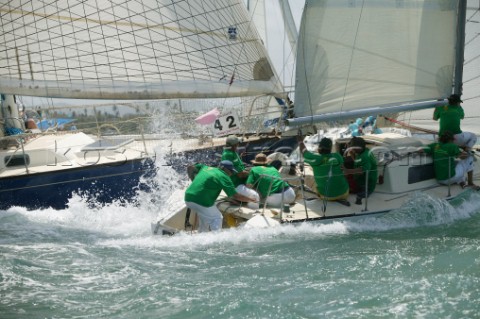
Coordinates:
(313, 208)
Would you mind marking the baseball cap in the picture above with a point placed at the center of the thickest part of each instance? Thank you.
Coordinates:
(326, 143)
(454, 98)
(228, 165)
(232, 140)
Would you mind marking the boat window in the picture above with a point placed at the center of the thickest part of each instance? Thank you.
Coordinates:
(420, 173)
(108, 144)
(16, 160)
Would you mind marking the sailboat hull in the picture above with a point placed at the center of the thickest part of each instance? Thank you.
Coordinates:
(403, 177)
(100, 184)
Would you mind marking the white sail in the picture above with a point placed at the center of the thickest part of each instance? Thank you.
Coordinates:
(258, 14)
(356, 55)
(137, 49)
(471, 79)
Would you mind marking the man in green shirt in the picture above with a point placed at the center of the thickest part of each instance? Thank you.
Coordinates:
(240, 177)
(206, 186)
(365, 168)
(268, 182)
(450, 116)
(192, 170)
(328, 171)
(448, 170)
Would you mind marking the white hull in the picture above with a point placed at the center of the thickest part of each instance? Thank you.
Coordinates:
(401, 179)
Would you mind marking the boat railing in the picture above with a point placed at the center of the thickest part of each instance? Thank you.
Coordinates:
(16, 155)
(284, 207)
(298, 182)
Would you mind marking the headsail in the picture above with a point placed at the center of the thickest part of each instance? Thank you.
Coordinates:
(357, 55)
(138, 49)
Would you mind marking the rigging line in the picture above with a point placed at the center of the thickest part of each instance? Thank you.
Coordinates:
(214, 54)
(471, 79)
(307, 86)
(471, 98)
(472, 59)
(91, 45)
(110, 66)
(70, 75)
(220, 12)
(133, 45)
(190, 65)
(243, 47)
(247, 23)
(470, 19)
(430, 119)
(351, 56)
(113, 23)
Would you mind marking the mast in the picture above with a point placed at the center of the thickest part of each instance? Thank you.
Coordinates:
(460, 47)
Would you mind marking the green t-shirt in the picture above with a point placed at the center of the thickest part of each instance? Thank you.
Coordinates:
(233, 157)
(443, 159)
(367, 162)
(262, 183)
(449, 116)
(332, 186)
(207, 185)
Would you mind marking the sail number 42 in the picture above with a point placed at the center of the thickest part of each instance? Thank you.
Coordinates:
(226, 125)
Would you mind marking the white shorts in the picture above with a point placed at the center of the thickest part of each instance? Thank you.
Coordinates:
(276, 199)
(465, 139)
(209, 218)
(461, 168)
(248, 192)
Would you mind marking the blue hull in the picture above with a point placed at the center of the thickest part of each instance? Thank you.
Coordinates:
(99, 183)
(102, 184)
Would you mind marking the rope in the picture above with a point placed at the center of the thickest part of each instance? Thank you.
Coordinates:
(403, 124)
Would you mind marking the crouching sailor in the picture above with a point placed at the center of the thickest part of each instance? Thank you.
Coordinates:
(201, 195)
(269, 183)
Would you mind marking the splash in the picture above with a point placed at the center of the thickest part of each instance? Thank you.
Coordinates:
(421, 210)
(119, 218)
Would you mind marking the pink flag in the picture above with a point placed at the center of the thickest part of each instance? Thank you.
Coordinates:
(208, 118)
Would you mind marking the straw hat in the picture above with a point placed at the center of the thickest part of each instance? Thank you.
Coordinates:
(260, 159)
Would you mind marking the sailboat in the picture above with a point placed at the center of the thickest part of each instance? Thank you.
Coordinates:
(357, 59)
(146, 50)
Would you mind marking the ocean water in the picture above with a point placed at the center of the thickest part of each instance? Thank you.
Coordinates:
(422, 261)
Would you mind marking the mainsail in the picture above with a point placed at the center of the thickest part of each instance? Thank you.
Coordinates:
(137, 49)
(470, 80)
(362, 55)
